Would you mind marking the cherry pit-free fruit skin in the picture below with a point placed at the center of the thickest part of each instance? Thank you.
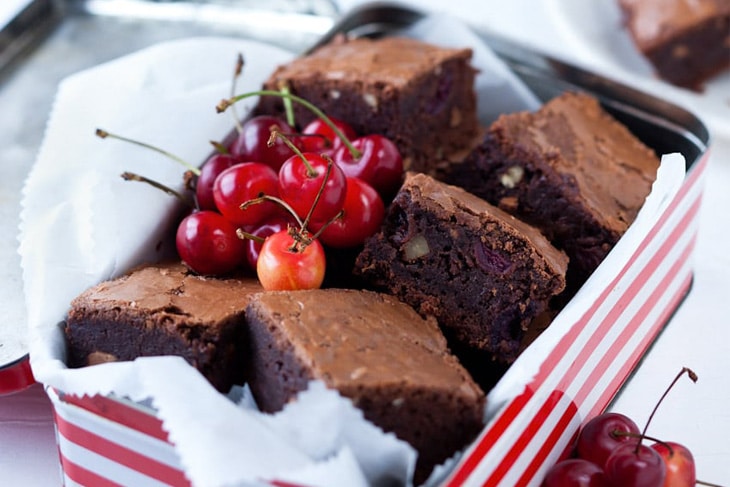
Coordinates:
(284, 266)
(208, 243)
(632, 465)
(575, 472)
(601, 435)
(681, 470)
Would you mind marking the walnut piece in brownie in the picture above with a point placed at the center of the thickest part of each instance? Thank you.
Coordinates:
(164, 310)
(418, 95)
(392, 363)
(569, 169)
(687, 41)
(481, 272)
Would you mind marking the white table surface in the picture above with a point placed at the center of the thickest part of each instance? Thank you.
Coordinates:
(698, 336)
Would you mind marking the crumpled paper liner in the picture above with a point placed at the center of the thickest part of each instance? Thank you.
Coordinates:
(82, 224)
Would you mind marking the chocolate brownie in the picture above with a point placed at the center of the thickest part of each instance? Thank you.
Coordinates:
(481, 272)
(687, 41)
(569, 169)
(392, 363)
(163, 310)
(418, 95)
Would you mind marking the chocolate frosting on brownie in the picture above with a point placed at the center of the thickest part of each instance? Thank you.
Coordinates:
(655, 21)
(392, 60)
(419, 95)
(392, 363)
(163, 310)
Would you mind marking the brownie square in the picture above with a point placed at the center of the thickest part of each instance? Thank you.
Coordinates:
(418, 95)
(481, 272)
(687, 41)
(569, 169)
(392, 363)
(164, 310)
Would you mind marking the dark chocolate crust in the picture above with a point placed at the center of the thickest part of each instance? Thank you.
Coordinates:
(164, 310)
(687, 41)
(418, 95)
(569, 169)
(393, 364)
(482, 273)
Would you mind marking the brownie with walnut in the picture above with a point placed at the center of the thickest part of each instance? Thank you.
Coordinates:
(164, 309)
(419, 95)
(569, 169)
(687, 41)
(481, 272)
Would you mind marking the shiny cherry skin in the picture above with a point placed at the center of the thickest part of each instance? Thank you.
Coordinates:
(241, 183)
(628, 467)
(575, 472)
(210, 170)
(299, 187)
(284, 266)
(273, 224)
(207, 243)
(327, 140)
(363, 213)
(597, 439)
(251, 144)
(380, 163)
(680, 463)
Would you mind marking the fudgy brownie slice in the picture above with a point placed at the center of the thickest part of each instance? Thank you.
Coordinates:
(418, 95)
(481, 272)
(570, 169)
(164, 310)
(392, 363)
(687, 41)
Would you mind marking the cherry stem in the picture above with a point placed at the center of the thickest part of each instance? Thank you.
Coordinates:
(329, 222)
(701, 482)
(641, 436)
(243, 235)
(130, 176)
(104, 134)
(220, 147)
(224, 104)
(277, 134)
(273, 199)
(327, 173)
(237, 74)
(684, 370)
(288, 108)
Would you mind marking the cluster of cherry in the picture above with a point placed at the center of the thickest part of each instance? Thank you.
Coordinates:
(610, 452)
(275, 198)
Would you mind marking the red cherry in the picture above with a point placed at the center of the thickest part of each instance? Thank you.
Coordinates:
(679, 462)
(628, 466)
(251, 145)
(284, 264)
(300, 183)
(575, 472)
(598, 438)
(362, 216)
(210, 170)
(208, 243)
(243, 182)
(328, 141)
(272, 225)
(380, 163)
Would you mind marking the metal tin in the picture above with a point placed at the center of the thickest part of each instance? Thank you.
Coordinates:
(115, 440)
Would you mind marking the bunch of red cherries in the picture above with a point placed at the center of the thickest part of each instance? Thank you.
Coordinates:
(610, 452)
(276, 198)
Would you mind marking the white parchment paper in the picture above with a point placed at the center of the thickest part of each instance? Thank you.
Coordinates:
(82, 224)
